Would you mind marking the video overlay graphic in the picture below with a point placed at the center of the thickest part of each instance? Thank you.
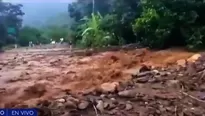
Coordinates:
(18, 112)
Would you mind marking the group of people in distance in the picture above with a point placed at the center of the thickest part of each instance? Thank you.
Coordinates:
(52, 43)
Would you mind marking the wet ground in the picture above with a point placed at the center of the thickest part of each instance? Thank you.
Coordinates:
(124, 83)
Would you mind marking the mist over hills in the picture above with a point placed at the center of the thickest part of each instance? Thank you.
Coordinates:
(41, 13)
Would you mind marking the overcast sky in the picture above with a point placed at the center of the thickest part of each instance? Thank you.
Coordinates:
(40, 10)
(39, 1)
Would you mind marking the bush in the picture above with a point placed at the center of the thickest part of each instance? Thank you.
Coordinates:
(93, 33)
(153, 28)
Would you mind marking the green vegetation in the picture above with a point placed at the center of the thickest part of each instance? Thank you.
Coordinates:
(153, 23)
(12, 31)
(10, 22)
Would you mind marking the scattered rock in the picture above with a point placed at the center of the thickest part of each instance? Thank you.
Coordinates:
(106, 105)
(193, 111)
(59, 105)
(142, 80)
(202, 88)
(127, 93)
(83, 105)
(61, 100)
(109, 87)
(191, 69)
(100, 106)
(173, 83)
(167, 96)
(163, 73)
(113, 101)
(74, 112)
(70, 98)
(180, 75)
(156, 71)
(136, 71)
(142, 74)
(111, 106)
(168, 73)
(113, 112)
(201, 95)
(70, 105)
(102, 95)
(153, 80)
(128, 106)
(121, 106)
(157, 86)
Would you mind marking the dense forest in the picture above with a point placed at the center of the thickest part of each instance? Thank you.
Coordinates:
(96, 23)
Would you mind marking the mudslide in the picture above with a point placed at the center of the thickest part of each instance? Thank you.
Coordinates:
(122, 83)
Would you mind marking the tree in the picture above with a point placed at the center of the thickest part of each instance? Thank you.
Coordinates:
(153, 23)
(10, 18)
(35, 35)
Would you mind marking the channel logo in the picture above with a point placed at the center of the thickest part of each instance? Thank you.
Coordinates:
(19, 112)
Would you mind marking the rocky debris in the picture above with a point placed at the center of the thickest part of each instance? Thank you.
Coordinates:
(139, 96)
(109, 87)
(156, 71)
(173, 83)
(61, 100)
(151, 92)
(127, 93)
(83, 105)
(142, 80)
(100, 106)
(106, 105)
(138, 71)
(202, 88)
(113, 103)
(128, 106)
(70, 105)
(193, 111)
(191, 69)
(102, 95)
(142, 74)
(202, 95)
(72, 99)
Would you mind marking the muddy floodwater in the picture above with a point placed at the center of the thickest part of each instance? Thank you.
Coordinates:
(33, 76)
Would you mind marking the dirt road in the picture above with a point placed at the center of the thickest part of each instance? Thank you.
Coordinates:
(50, 79)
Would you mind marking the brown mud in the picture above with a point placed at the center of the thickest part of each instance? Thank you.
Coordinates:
(121, 83)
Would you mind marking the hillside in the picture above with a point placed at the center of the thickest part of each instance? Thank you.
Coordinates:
(38, 13)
